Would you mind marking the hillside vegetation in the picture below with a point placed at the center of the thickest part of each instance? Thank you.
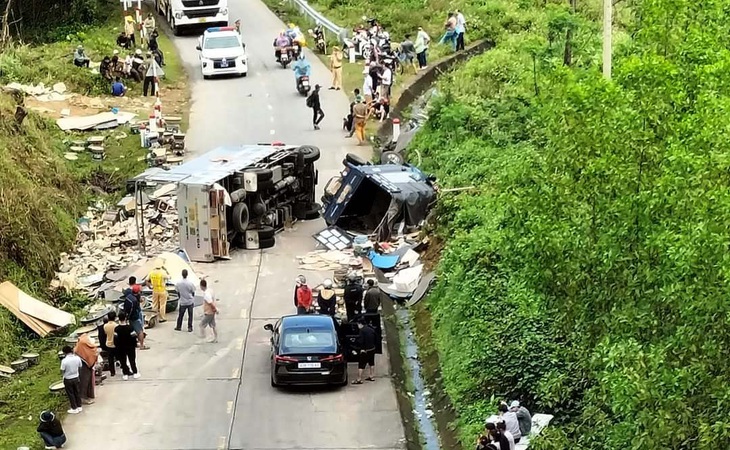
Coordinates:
(587, 275)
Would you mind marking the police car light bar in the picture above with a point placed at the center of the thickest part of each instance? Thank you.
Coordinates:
(214, 29)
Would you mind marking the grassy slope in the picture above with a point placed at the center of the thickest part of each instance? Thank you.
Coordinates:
(41, 196)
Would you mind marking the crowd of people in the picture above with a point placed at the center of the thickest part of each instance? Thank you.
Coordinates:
(136, 65)
(359, 304)
(513, 425)
(119, 337)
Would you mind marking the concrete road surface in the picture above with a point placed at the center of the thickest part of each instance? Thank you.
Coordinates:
(198, 395)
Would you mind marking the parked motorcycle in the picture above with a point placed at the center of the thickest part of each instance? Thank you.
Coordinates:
(303, 86)
(319, 41)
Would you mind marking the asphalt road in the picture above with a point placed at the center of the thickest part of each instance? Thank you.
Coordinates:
(198, 395)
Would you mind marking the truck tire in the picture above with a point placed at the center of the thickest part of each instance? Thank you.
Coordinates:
(240, 217)
(266, 232)
(261, 174)
(307, 211)
(355, 160)
(309, 152)
(267, 243)
(391, 158)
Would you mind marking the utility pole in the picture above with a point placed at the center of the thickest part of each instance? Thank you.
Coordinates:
(607, 35)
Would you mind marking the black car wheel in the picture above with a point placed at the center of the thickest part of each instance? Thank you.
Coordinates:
(310, 153)
(274, 384)
(391, 158)
(355, 160)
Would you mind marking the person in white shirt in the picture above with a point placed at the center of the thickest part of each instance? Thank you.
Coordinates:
(367, 87)
(385, 83)
(70, 367)
(210, 309)
(510, 421)
(502, 427)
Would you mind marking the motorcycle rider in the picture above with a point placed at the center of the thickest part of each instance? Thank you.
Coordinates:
(301, 68)
(281, 42)
(297, 38)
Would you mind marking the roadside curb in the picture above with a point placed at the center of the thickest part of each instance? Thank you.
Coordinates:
(419, 85)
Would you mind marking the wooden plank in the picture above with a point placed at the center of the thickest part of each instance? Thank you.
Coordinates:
(43, 311)
(9, 299)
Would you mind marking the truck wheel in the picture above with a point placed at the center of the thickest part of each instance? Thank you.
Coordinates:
(355, 160)
(267, 243)
(266, 232)
(391, 158)
(261, 174)
(307, 211)
(240, 217)
(309, 152)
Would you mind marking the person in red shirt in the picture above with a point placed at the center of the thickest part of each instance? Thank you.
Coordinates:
(302, 296)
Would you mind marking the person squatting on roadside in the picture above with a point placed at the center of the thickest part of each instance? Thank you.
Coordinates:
(186, 290)
(70, 367)
(302, 296)
(327, 299)
(366, 342)
(51, 431)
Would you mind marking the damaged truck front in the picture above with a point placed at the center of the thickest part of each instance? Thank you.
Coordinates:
(239, 195)
(378, 199)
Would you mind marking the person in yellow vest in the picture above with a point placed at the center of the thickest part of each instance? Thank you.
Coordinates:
(157, 280)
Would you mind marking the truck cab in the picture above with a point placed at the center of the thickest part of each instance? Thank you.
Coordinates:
(181, 14)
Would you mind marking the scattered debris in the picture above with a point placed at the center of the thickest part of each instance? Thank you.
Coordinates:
(99, 121)
(40, 317)
(40, 92)
(334, 238)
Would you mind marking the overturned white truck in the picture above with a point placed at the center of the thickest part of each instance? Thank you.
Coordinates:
(238, 196)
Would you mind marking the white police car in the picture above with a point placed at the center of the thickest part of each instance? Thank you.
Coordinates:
(222, 52)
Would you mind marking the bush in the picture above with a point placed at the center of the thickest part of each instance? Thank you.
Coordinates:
(586, 275)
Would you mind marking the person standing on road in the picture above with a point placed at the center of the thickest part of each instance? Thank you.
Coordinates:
(86, 350)
(210, 309)
(353, 298)
(51, 431)
(70, 367)
(153, 71)
(186, 290)
(157, 280)
(111, 349)
(125, 341)
(361, 113)
(336, 68)
(386, 82)
(314, 103)
(366, 342)
(372, 298)
(327, 299)
(302, 296)
(133, 309)
(421, 44)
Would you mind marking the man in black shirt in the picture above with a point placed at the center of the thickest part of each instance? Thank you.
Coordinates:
(366, 341)
(353, 299)
(314, 103)
(372, 298)
(51, 431)
(125, 343)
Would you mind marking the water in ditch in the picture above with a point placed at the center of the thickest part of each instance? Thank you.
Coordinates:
(420, 395)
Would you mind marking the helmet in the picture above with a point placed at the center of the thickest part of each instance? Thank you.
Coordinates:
(327, 283)
(291, 25)
(301, 280)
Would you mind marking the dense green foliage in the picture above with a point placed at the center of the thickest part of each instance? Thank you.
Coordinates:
(587, 274)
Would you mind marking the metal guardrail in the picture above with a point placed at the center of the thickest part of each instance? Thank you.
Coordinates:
(310, 12)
